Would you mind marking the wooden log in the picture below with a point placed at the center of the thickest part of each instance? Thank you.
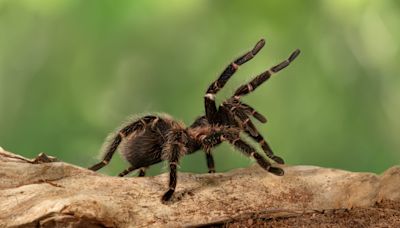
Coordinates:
(49, 193)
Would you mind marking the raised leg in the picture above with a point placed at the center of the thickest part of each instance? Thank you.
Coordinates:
(124, 132)
(261, 78)
(209, 98)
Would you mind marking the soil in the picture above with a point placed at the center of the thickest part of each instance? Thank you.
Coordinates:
(383, 214)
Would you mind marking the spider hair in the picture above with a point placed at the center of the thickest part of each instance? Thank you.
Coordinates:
(152, 138)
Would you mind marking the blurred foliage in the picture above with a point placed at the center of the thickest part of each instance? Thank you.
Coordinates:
(71, 71)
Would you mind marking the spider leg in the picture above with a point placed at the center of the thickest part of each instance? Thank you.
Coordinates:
(261, 78)
(232, 136)
(209, 141)
(142, 171)
(248, 150)
(254, 134)
(173, 163)
(266, 148)
(252, 131)
(246, 122)
(126, 171)
(242, 118)
(124, 132)
(108, 155)
(251, 111)
(210, 161)
(209, 98)
(173, 149)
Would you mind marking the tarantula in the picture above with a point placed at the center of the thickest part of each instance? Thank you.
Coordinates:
(155, 138)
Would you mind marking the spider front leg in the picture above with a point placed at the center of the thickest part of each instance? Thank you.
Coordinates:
(251, 111)
(252, 131)
(251, 152)
(266, 148)
(261, 78)
(209, 98)
(240, 112)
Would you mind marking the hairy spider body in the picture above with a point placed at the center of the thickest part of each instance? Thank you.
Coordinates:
(154, 138)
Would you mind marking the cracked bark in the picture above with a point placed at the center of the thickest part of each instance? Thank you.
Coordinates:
(49, 193)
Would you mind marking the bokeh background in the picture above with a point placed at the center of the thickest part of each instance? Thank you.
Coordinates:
(72, 71)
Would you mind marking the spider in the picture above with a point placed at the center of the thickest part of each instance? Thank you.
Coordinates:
(154, 138)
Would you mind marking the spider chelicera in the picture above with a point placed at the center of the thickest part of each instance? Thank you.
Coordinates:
(154, 138)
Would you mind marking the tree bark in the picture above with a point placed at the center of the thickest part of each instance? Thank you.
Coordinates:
(49, 193)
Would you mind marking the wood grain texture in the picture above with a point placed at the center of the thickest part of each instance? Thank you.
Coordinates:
(50, 193)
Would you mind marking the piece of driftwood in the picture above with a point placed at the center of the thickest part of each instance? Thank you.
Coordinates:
(46, 192)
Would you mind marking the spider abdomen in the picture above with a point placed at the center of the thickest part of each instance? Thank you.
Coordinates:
(143, 146)
(143, 149)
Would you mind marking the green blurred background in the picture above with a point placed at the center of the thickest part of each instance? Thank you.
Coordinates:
(72, 71)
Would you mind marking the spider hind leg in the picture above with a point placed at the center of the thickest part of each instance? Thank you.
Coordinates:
(141, 173)
(112, 147)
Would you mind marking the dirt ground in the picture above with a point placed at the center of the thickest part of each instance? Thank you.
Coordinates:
(383, 214)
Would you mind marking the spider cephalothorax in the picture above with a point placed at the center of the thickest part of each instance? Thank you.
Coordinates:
(154, 138)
